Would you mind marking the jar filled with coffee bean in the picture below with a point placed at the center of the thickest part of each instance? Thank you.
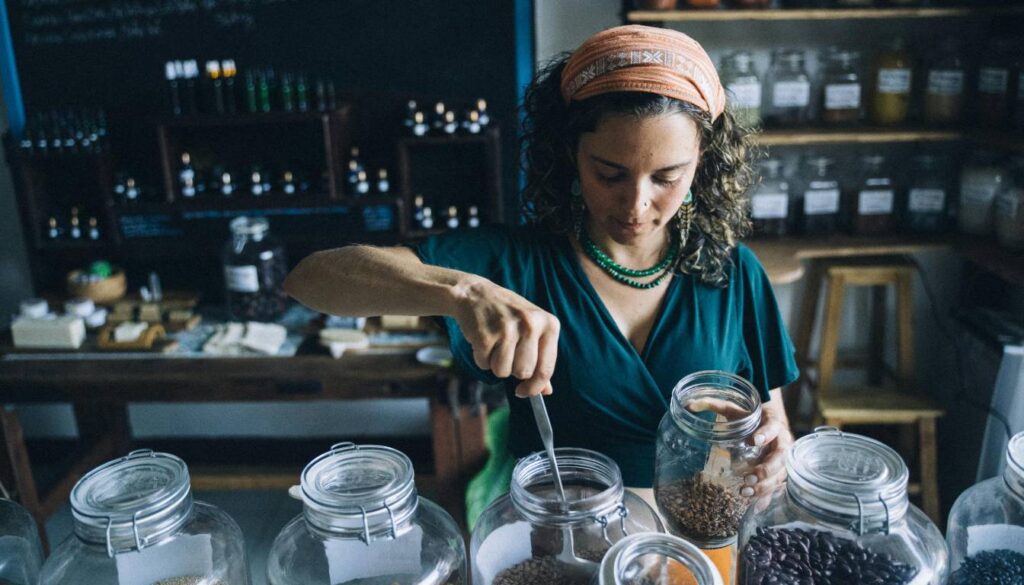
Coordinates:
(656, 559)
(523, 537)
(254, 271)
(843, 517)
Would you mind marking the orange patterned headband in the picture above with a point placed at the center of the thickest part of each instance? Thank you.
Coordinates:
(647, 59)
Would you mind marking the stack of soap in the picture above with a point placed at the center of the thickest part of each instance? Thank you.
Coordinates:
(64, 332)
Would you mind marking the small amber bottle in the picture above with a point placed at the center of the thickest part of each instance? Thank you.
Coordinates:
(891, 85)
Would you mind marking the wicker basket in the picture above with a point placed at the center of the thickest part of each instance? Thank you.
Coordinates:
(104, 291)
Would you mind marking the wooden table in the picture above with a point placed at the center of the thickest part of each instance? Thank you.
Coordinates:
(100, 387)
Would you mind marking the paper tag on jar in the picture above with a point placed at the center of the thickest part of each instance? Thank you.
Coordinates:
(946, 82)
(745, 95)
(821, 202)
(183, 556)
(842, 96)
(994, 537)
(243, 279)
(503, 548)
(874, 202)
(769, 206)
(351, 559)
(791, 94)
(894, 81)
(993, 80)
(926, 200)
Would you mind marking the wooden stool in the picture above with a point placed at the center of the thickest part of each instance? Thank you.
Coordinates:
(877, 403)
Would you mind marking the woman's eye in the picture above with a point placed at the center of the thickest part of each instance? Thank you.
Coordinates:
(666, 180)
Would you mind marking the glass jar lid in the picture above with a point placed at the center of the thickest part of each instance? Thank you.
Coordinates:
(791, 58)
(716, 406)
(848, 479)
(132, 502)
(367, 491)
(820, 164)
(741, 61)
(249, 226)
(653, 557)
(772, 167)
(592, 482)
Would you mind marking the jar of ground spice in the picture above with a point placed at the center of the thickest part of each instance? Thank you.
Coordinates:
(523, 537)
(704, 452)
(843, 517)
(841, 91)
(656, 559)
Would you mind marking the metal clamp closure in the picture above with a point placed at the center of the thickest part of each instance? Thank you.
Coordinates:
(111, 551)
(365, 537)
(623, 513)
(861, 531)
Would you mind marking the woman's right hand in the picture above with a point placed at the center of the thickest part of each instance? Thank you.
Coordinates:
(510, 335)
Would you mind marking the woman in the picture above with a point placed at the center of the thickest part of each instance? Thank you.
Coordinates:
(628, 275)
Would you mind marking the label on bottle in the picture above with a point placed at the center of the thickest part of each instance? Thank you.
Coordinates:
(821, 202)
(874, 202)
(894, 81)
(745, 95)
(994, 537)
(993, 80)
(243, 279)
(1007, 204)
(842, 96)
(977, 193)
(791, 94)
(183, 556)
(946, 82)
(769, 206)
(926, 200)
(350, 560)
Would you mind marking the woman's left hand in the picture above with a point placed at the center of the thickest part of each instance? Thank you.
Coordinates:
(775, 438)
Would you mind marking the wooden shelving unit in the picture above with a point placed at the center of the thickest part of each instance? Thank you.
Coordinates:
(855, 136)
(728, 15)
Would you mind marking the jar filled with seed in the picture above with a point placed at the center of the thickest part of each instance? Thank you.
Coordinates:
(986, 526)
(532, 537)
(254, 271)
(657, 559)
(842, 517)
(21, 554)
(704, 452)
(136, 523)
(362, 522)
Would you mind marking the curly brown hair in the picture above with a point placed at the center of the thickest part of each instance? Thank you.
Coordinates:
(549, 138)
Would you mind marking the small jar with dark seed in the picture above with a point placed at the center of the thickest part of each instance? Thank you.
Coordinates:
(254, 271)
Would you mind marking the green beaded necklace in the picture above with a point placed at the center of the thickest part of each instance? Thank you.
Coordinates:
(627, 275)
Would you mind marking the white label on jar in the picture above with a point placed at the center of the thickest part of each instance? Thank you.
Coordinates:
(349, 559)
(745, 95)
(184, 556)
(945, 82)
(926, 200)
(993, 80)
(894, 81)
(977, 194)
(769, 206)
(842, 96)
(874, 202)
(821, 202)
(994, 537)
(791, 94)
(243, 279)
(506, 546)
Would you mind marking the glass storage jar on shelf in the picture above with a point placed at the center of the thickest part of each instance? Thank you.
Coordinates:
(986, 526)
(254, 271)
(136, 523)
(890, 98)
(993, 89)
(363, 522)
(841, 90)
(788, 90)
(944, 86)
(704, 453)
(927, 196)
(980, 180)
(1009, 207)
(21, 554)
(842, 517)
(743, 88)
(518, 538)
(657, 559)
(874, 202)
(769, 203)
(819, 199)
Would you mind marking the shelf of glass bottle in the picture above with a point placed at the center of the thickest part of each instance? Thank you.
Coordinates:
(65, 244)
(460, 138)
(793, 14)
(248, 118)
(271, 200)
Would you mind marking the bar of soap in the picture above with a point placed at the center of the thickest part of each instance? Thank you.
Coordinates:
(399, 322)
(266, 338)
(65, 332)
(340, 340)
(129, 331)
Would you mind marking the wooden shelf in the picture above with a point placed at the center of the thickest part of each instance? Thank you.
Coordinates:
(728, 15)
(482, 137)
(244, 119)
(861, 135)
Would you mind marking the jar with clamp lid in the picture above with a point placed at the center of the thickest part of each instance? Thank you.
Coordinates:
(519, 538)
(652, 558)
(136, 523)
(21, 554)
(842, 517)
(254, 271)
(363, 523)
(769, 203)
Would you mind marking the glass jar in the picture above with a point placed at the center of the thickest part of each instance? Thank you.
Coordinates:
(136, 524)
(1009, 208)
(743, 87)
(363, 522)
(926, 203)
(981, 179)
(994, 76)
(704, 452)
(986, 526)
(254, 271)
(769, 203)
(841, 89)
(652, 558)
(517, 538)
(788, 93)
(875, 199)
(944, 91)
(21, 554)
(842, 517)
(890, 100)
(819, 201)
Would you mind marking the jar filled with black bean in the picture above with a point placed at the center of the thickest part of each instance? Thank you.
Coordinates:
(843, 517)
(254, 271)
(986, 526)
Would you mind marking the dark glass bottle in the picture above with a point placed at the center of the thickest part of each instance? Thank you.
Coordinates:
(875, 199)
(819, 202)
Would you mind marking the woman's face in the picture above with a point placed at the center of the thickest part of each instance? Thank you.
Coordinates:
(635, 172)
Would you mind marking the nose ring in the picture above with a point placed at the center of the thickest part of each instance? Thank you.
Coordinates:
(647, 203)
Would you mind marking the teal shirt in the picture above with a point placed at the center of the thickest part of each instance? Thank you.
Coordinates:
(607, 396)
